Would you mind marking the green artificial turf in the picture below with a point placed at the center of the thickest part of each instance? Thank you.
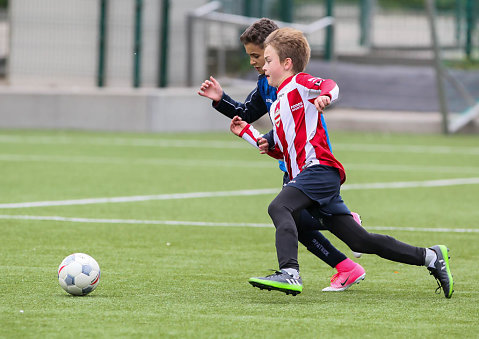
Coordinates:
(179, 267)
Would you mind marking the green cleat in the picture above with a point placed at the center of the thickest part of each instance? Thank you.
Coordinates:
(279, 281)
(441, 270)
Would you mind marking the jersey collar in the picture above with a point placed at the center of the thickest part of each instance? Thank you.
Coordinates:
(285, 82)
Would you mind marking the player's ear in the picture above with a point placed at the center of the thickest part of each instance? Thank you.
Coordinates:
(288, 64)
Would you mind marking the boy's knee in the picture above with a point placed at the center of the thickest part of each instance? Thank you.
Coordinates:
(275, 208)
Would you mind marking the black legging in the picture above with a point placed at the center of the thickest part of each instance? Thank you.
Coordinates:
(315, 241)
(359, 240)
(285, 211)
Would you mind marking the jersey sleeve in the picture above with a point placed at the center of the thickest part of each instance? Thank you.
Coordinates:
(251, 110)
(276, 153)
(318, 86)
(251, 135)
(328, 87)
(270, 137)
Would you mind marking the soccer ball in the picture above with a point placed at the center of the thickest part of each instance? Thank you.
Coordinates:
(79, 274)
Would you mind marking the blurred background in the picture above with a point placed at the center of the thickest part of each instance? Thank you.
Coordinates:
(136, 65)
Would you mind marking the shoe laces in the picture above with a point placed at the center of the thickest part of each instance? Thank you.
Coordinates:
(438, 289)
(276, 272)
(436, 276)
(439, 285)
(336, 276)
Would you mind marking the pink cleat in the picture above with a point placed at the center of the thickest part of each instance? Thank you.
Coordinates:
(357, 218)
(343, 280)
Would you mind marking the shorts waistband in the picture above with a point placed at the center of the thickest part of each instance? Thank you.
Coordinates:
(310, 163)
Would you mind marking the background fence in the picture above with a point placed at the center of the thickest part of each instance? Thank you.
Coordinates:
(375, 29)
(144, 43)
(57, 42)
(60, 39)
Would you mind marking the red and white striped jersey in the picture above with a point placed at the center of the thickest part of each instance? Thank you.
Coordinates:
(298, 131)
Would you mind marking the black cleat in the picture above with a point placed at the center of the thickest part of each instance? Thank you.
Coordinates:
(279, 281)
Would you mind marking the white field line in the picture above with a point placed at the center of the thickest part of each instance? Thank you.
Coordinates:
(386, 148)
(138, 198)
(134, 142)
(223, 163)
(411, 168)
(266, 191)
(218, 224)
(143, 142)
(412, 184)
(137, 161)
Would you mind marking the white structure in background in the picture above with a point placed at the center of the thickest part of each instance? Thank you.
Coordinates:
(53, 61)
(55, 42)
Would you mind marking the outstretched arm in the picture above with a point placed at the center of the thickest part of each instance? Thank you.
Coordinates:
(251, 110)
(211, 89)
(323, 91)
(254, 137)
(244, 130)
(237, 126)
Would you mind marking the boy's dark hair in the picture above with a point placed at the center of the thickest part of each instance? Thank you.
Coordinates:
(258, 31)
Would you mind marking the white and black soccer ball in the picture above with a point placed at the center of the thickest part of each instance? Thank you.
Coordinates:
(79, 274)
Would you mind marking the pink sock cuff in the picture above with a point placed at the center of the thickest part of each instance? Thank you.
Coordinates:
(345, 265)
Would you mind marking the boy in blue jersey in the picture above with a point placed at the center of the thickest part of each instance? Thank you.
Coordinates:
(255, 106)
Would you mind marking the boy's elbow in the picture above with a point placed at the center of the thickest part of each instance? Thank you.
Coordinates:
(334, 93)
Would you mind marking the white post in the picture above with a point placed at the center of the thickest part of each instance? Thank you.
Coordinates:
(431, 14)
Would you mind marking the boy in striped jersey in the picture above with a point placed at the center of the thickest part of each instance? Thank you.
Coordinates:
(298, 138)
(255, 106)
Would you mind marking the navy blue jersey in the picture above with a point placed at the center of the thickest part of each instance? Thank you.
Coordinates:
(256, 105)
(268, 93)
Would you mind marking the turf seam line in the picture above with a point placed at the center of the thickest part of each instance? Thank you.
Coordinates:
(223, 163)
(143, 142)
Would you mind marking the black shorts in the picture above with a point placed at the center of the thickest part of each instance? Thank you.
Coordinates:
(321, 184)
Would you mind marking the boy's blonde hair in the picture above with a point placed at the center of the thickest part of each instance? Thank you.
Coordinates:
(290, 43)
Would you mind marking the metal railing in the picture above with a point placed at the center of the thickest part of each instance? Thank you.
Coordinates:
(209, 13)
(449, 124)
